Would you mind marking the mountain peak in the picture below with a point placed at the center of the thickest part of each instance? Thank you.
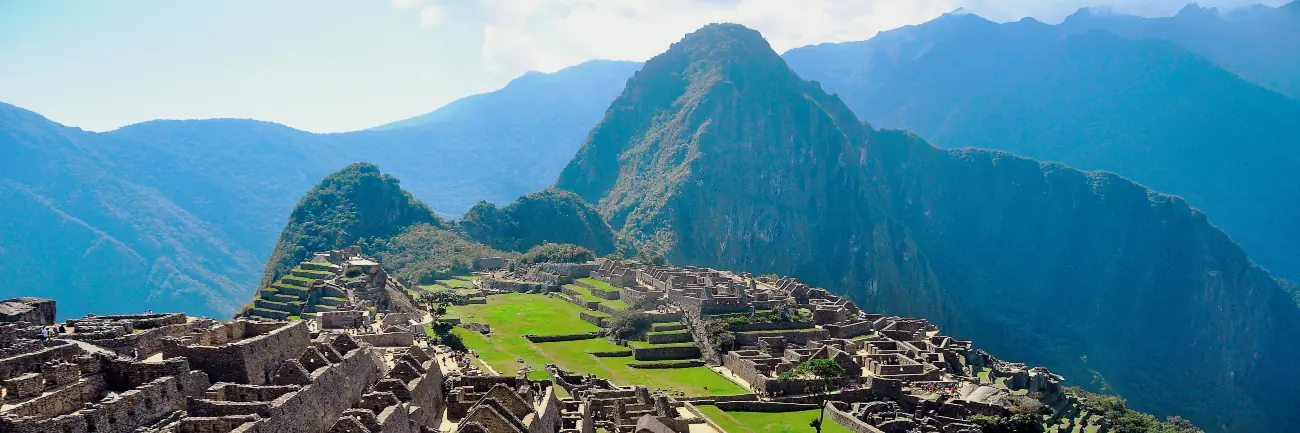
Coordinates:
(723, 41)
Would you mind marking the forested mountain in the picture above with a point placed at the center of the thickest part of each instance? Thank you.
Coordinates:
(549, 215)
(76, 229)
(181, 215)
(1147, 109)
(718, 155)
(360, 205)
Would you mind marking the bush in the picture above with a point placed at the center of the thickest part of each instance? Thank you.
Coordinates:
(629, 325)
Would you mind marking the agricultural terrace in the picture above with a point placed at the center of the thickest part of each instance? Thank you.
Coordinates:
(513, 315)
(779, 422)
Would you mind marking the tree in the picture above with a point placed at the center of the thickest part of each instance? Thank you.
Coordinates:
(627, 325)
(718, 335)
(823, 370)
(436, 302)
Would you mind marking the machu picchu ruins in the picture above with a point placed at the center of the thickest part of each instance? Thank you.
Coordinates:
(337, 346)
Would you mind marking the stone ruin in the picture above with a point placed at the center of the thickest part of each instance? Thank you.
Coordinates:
(901, 374)
(502, 404)
(199, 376)
(331, 282)
(599, 404)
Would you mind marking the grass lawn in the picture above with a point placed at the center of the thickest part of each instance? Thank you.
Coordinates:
(457, 283)
(436, 288)
(513, 315)
(585, 295)
(755, 422)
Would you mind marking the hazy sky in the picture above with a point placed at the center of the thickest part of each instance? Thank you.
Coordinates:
(340, 65)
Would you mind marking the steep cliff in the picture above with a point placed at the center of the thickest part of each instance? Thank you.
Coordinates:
(717, 154)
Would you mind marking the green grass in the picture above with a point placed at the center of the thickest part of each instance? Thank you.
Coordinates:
(643, 345)
(600, 285)
(456, 283)
(513, 315)
(780, 422)
(585, 295)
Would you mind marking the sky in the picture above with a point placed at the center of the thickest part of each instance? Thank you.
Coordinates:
(343, 65)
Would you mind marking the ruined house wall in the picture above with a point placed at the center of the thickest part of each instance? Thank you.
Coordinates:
(387, 339)
(796, 336)
(848, 420)
(426, 392)
(31, 362)
(395, 419)
(251, 360)
(315, 407)
(547, 419)
(63, 400)
(138, 407)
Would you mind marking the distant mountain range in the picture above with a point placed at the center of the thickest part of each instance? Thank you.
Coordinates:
(717, 154)
(181, 215)
(1147, 109)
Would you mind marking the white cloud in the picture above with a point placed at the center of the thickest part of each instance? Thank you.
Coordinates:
(546, 35)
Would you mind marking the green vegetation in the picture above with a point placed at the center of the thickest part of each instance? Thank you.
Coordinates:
(513, 315)
(546, 216)
(424, 254)
(629, 325)
(586, 295)
(558, 253)
(884, 216)
(766, 422)
(348, 207)
(1020, 423)
(1125, 420)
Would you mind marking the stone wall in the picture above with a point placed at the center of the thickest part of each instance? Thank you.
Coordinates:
(31, 362)
(669, 337)
(251, 360)
(387, 339)
(555, 338)
(797, 336)
(841, 416)
(849, 330)
(661, 353)
(316, 406)
(339, 319)
(592, 318)
(764, 406)
(773, 326)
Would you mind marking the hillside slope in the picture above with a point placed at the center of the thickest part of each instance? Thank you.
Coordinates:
(184, 213)
(718, 155)
(85, 234)
(1146, 109)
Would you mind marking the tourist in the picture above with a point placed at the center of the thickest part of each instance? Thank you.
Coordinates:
(135, 353)
(45, 335)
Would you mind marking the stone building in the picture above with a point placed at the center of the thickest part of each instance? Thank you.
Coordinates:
(199, 376)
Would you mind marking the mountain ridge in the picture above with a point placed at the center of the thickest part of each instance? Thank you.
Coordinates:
(764, 172)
